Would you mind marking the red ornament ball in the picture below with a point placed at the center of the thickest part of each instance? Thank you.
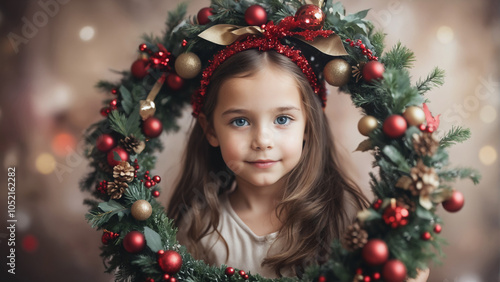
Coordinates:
(156, 193)
(173, 279)
(437, 228)
(394, 126)
(322, 279)
(375, 252)
(376, 276)
(170, 261)
(373, 70)
(394, 271)
(157, 178)
(105, 143)
(139, 68)
(310, 17)
(256, 15)
(148, 184)
(203, 15)
(166, 277)
(426, 236)
(149, 280)
(367, 279)
(245, 276)
(152, 127)
(455, 202)
(175, 82)
(229, 271)
(396, 216)
(134, 242)
(121, 153)
(241, 272)
(114, 91)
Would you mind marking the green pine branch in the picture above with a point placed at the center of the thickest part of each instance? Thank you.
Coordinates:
(456, 134)
(461, 173)
(399, 57)
(126, 126)
(434, 79)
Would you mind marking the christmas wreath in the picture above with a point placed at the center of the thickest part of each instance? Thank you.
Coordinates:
(390, 240)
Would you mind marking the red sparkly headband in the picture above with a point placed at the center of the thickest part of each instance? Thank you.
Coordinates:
(265, 38)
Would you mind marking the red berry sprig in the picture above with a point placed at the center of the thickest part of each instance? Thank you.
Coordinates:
(359, 44)
(136, 167)
(102, 187)
(108, 236)
(160, 59)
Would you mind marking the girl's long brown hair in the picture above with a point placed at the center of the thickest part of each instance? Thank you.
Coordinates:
(317, 192)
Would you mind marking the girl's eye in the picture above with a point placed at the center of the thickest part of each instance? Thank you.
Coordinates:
(239, 122)
(282, 120)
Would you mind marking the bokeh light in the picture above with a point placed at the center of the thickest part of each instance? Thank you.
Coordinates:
(45, 163)
(30, 243)
(487, 155)
(445, 34)
(87, 33)
(63, 144)
(488, 114)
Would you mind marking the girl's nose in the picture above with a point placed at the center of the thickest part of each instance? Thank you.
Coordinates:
(262, 139)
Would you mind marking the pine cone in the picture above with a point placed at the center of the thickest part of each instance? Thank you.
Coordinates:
(116, 189)
(425, 144)
(425, 180)
(123, 172)
(355, 237)
(132, 144)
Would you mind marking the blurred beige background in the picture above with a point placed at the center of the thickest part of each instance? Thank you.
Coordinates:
(48, 99)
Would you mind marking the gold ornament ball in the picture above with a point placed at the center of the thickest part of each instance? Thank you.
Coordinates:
(187, 65)
(367, 124)
(414, 115)
(141, 210)
(337, 72)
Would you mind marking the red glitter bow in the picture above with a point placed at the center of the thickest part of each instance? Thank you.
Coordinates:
(269, 40)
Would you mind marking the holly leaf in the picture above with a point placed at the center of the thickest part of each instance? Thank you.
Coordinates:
(126, 101)
(396, 157)
(112, 207)
(126, 126)
(153, 239)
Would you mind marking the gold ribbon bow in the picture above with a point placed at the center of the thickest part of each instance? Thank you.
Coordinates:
(148, 107)
(318, 3)
(226, 34)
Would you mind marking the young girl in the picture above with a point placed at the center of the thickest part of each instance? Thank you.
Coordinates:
(260, 188)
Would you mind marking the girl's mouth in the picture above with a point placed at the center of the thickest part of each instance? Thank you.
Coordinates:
(263, 163)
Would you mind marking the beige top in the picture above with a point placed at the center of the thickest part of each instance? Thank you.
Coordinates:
(246, 250)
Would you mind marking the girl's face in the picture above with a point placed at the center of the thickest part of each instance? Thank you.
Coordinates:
(259, 124)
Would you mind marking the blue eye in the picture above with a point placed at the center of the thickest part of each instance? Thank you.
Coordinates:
(239, 122)
(282, 120)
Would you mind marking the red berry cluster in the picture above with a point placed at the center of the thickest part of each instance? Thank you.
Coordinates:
(113, 105)
(108, 236)
(230, 272)
(149, 181)
(367, 278)
(167, 277)
(377, 204)
(102, 187)
(160, 59)
(427, 128)
(359, 44)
